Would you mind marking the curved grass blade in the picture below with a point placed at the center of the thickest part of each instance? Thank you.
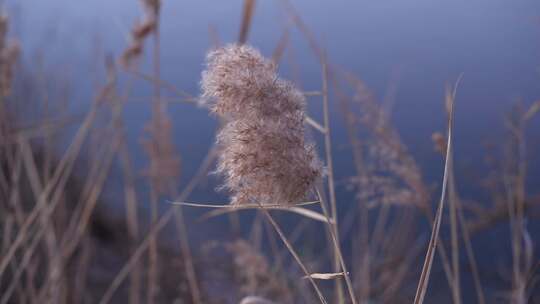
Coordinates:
(428, 262)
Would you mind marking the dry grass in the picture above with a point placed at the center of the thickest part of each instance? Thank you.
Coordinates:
(60, 243)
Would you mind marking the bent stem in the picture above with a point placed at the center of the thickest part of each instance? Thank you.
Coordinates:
(293, 253)
(330, 179)
(434, 239)
(337, 248)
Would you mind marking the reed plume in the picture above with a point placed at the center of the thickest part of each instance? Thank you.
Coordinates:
(141, 30)
(392, 176)
(265, 157)
(165, 163)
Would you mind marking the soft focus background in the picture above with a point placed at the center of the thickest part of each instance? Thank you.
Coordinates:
(407, 52)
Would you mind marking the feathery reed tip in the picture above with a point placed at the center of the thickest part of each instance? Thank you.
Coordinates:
(265, 157)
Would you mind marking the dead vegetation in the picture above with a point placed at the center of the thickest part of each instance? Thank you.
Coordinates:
(61, 243)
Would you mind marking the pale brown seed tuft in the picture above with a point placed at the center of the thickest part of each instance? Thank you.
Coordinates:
(265, 158)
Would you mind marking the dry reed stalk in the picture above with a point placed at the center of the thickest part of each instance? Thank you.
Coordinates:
(514, 177)
(35, 185)
(85, 210)
(337, 248)
(396, 278)
(339, 263)
(472, 260)
(154, 143)
(440, 146)
(186, 253)
(53, 188)
(59, 284)
(330, 180)
(51, 239)
(164, 165)
(396, 161)
(130, 193)
(83, 268)
(135, 256)
(117, 106)
(9, 52)
(41, 130)
(426, 269)
(381, 237)
(26, 259)
(202, 171)
(165, 170)
(30, 287)
(256, 231)
(406, 173)
(183, 96)
(44, 210)
(8, 224)
(228, 209)
(295, 236)
(77, 228)
(294, 254)
(283, 41)
(304, 29)
(92, 189)
(132, 220)
(452, 202)
(247, 16)
(102, 154)
(279, 265)
(153, 270)
(364, 270)
(57, 178)
(213, 33)
(365, 266)
(14, 214)
(13, 198)
(162, 157)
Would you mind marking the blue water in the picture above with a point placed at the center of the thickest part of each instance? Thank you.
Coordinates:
(417, 45)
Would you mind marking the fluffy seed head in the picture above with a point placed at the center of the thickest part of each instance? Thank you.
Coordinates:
(236, 78)
(265, 157)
